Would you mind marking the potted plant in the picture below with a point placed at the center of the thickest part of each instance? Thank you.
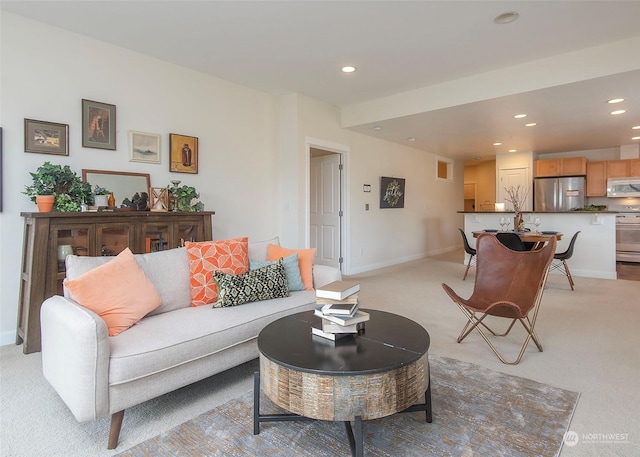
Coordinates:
(185, 198)
(101, 196)
(60, 184)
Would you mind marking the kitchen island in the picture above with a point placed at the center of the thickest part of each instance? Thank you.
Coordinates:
(594, 254)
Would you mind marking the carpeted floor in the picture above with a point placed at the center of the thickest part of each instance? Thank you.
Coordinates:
(476, 411)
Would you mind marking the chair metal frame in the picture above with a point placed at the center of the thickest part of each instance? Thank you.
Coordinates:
(480, 305)
(560, 260)
(469, 250)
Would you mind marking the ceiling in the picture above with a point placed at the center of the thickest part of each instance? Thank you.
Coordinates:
(282, 47)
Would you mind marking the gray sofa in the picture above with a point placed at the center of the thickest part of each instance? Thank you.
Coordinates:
(171, 347)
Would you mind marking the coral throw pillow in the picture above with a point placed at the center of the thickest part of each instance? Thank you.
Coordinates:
(305, 261)
(206, 257)
(118, 291)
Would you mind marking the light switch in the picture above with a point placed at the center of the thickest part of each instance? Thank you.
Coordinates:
(366, 206)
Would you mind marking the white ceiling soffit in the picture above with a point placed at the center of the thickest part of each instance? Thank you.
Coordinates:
(397, 46)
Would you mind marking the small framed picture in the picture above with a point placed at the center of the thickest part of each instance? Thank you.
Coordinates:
(392, 192)
(184, 153)
(46, 137)
(144, 147)
(98, 125)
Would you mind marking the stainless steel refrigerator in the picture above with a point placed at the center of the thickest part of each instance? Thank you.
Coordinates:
(558, 194)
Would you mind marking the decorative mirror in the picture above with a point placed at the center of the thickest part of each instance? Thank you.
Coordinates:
(121, 183)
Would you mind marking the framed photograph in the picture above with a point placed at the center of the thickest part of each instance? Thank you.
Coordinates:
(46, 137)
(184, 153)
(391, 192)
(144, 147)
(98, 125)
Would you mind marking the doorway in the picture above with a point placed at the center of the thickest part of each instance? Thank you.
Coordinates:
(514, 177)
(327, 221)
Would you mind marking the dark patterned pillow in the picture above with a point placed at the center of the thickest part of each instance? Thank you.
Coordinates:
(262, 284)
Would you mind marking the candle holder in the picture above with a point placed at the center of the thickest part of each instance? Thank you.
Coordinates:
(159, 199)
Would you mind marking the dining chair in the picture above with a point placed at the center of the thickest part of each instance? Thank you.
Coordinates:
(509, 284)
(511, 240)
(469, 250)
(560, 260)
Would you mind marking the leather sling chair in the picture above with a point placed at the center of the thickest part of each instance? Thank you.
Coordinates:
(509, 284)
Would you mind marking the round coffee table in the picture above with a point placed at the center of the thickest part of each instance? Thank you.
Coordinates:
(380, 372)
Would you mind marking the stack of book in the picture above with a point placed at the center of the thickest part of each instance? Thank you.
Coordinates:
(338, 308)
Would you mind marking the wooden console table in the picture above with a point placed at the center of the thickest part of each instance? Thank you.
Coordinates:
(92, 234)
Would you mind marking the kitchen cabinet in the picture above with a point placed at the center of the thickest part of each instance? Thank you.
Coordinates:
(547, 168)
(634, 168)
(596, 179)
(617, 168)
(571, 166)
(48, 237)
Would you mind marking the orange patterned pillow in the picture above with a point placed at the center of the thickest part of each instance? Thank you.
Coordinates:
(305, 261)
(206, 257)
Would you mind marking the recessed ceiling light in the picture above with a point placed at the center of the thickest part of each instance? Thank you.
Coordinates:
(377, 128)
(348, 69)
(411, 139)
(615, 100)
(505, 18)
(618, 111)
(636, 127)
(497, 144)
(513, 150)
(520, 116)
(635, 138)
(531, 124)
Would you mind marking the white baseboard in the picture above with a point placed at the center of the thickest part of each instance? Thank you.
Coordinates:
(7, 338)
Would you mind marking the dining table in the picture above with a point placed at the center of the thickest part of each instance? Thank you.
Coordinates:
(539, 238)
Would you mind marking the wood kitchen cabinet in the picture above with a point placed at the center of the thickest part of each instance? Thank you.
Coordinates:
(634, 168)
(596, 179)
(92, 234)
(547, 168)
(618, 169)
(571, 166)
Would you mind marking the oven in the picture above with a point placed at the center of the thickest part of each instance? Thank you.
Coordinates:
(628, 237)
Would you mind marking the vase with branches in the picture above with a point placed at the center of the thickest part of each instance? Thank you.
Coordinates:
(517, 196)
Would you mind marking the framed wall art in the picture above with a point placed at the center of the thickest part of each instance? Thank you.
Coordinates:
(98, 125)
(391, 192)
(183, 157)
(144, 147)
(46, 137)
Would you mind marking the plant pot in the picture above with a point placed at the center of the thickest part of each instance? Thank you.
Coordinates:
(45, 203)
(101, 200)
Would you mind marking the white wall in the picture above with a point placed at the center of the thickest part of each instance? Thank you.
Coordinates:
(46, 72)
(252, 150)
(428, 223)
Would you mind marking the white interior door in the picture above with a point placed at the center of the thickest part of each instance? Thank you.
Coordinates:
(514, 177)
(325, 210)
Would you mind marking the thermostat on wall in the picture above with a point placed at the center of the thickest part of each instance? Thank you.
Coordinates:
(366, 188)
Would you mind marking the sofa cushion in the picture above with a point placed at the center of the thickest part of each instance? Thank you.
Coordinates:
(118, 291)
(207, 257)
(258, 249)
(157, 343)
(291, 269)
(168, 271)
(262, 284)
(305, 261)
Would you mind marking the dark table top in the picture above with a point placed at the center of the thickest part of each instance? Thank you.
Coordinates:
(389, 342)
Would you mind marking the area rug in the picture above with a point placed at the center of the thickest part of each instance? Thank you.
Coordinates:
(476, 412)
